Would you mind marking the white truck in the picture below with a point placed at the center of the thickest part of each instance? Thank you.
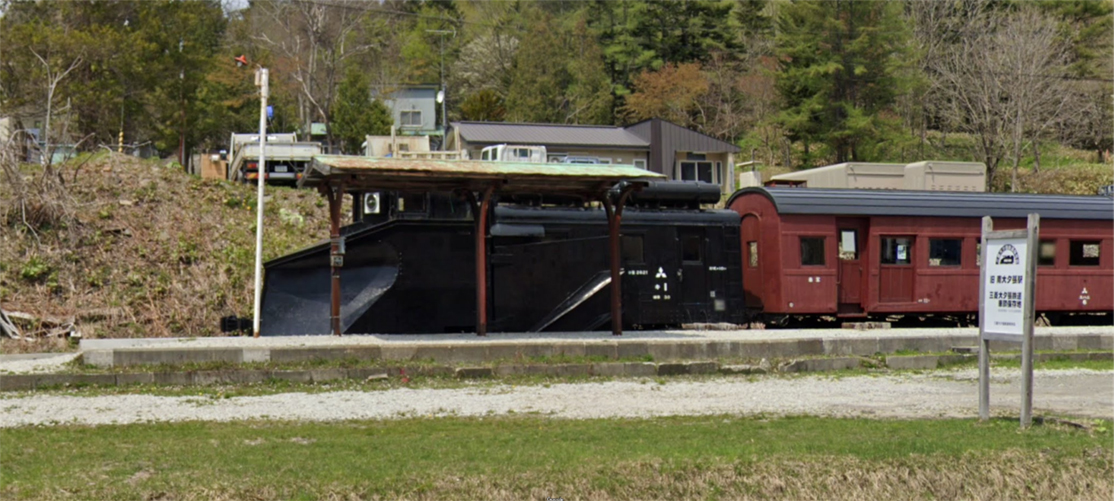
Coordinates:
(286, 157)
(514, 153)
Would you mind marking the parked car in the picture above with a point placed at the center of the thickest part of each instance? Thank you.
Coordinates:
(514, 153)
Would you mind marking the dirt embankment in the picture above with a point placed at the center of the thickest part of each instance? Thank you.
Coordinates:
(132, 248)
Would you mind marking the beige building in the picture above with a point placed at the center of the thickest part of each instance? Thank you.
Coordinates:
(926, 176)
(387, 146)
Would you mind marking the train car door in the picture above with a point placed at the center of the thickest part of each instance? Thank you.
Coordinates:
(693, 274)
(895, 273)
(752, 266)
(852, 247)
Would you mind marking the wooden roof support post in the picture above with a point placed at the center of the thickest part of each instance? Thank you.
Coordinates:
(480, 218)
(614, 221)
(335, 195)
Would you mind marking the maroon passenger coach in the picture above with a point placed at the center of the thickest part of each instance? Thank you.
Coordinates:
(866, 253)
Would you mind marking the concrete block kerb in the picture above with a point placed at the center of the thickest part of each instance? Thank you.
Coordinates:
(663, 347)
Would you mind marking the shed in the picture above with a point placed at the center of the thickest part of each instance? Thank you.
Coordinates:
(335, 175)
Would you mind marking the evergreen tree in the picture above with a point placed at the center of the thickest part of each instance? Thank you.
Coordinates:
(558, 76)
(637, 36)
(356, 115)
(836, 74)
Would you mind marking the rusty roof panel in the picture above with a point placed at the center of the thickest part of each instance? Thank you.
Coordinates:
(388, 173)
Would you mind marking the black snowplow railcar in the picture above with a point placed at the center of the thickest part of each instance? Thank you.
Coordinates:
(412, 270)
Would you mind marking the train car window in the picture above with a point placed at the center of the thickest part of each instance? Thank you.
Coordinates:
(848, 245)
(897, 250)
(1084, 253)
(752, 250)
(691, 247)
(1046, 253)
(944, 251)
(632, 250)
(812, 251)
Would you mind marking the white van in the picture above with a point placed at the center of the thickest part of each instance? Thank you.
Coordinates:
(514, 153)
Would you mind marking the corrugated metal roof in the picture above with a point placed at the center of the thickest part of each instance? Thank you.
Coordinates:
(933, 203)
(550, 134)
(884, 169)
(430, 175)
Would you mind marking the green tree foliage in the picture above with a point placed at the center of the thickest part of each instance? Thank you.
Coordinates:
(484, 105)
(559, 76)
(645, 35)
(144, 64)
(422, 44)
(356, 115)
(1086, 24)
(837, 72)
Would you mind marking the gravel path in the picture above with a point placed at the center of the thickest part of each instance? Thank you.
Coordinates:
(1075, 392)
(36, 364)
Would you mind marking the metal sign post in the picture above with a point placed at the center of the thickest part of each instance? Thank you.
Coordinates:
(1007, 294)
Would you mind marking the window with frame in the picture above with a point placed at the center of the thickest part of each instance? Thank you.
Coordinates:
(1046, 253)
(692, 247)
(848, 245)
(812, 251)
(410, 118)
(752, 254)
(632, 249)
(697, 171)
(640, 163)
(945, 251)
(896, 250)
(520, 152)
(1084, 253)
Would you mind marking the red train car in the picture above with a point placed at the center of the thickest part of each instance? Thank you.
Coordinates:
(864, 253)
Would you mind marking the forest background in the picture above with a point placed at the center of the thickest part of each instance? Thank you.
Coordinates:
(795, 83)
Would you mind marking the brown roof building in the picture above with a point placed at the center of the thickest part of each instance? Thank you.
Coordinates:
(656, 145)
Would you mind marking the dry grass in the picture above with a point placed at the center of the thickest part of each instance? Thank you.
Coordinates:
(1008, 476)
(143, 250)
(37, 345)
(1082, 179)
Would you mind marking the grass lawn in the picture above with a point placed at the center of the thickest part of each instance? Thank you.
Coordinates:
(718, 457)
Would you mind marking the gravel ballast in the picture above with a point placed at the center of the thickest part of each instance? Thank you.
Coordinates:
(1075, 392)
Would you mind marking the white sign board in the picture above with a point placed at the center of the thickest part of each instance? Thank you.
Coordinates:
(1007, 301)
(1005, 287)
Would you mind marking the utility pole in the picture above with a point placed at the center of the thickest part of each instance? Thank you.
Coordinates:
(261, 170)
(182, 100)
(444, 93)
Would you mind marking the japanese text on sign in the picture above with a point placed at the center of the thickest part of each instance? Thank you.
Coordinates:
(1005, 286)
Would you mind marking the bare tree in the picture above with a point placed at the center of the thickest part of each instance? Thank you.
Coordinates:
(1003, 84)
(313, 39)
(1035, 63)
(937, 25)
(54, 76)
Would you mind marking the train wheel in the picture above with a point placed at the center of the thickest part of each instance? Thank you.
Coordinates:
(779, 321)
